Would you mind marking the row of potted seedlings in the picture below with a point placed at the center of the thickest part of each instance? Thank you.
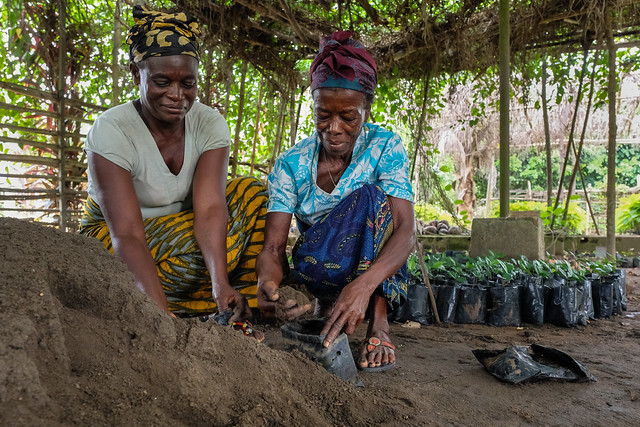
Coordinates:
(490, 290)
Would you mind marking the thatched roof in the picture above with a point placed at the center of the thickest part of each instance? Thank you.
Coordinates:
(407, 37)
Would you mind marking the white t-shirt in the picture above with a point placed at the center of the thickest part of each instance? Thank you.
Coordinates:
(120, 136)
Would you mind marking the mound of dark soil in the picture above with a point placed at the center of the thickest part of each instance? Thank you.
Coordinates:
(79, 344)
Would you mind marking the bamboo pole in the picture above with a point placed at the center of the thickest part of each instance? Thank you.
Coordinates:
(115, 54)
(571, 137)
(297, 122)
(38, 144)
(292, 115)
(32, 210)
(208, 77)
(18, 128)
(62, 52)
(27, 91)
(42, 176)
(37, 160)
(21, 109)
(547, 134)
(227, 72)
(423, 114)
(236, 139)
(578, 153)
(505, 54)
(279, 135)
(256, 126)
(611, 158)
(40, 191)
(423, 268)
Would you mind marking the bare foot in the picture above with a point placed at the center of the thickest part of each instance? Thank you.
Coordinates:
(377, 352)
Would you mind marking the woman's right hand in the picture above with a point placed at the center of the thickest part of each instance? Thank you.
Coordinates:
(271, 307)
(269, 269)
(228, 298)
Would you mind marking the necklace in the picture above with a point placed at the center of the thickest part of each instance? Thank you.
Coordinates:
(329, 171)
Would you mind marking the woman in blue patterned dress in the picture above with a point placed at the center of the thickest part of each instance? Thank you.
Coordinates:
(348, 187)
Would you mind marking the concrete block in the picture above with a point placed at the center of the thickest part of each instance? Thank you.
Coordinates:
(524, 214)
(511, 237)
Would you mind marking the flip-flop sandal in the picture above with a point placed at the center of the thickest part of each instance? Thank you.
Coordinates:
(372, 343)
(221, 318)
(246, 328)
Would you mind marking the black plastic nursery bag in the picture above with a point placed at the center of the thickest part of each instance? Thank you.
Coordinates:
(521, 364)
(532, 301)
(447, 301)
(472, 305)
(504, 306)
(415, 308)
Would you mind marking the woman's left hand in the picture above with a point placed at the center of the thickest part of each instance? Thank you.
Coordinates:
(351, 306)
(348, 311)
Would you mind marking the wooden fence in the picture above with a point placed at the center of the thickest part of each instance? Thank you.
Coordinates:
(597, 201)
(43, 164)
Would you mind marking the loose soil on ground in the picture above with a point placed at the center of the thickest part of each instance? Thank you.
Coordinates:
(79, 345)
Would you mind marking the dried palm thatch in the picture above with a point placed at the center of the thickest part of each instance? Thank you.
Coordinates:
(408, 38)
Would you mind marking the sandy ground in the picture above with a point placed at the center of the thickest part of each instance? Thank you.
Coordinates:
(79, 345)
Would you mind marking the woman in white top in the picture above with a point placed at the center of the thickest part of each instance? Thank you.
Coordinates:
(158, 191)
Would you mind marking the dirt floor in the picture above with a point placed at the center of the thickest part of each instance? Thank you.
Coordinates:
(80, 345)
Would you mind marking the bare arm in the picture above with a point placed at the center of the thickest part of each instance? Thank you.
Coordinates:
(269, 267)
(119, 204)
(350, 307)
(210, 224)
(273, 256)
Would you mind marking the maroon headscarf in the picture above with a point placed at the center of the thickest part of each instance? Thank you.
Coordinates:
(343, 62)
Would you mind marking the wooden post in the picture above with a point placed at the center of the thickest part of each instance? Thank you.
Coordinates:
(297, 122)
(292, 115)
(115, 54)
(279, 135)
(227, 72)
(256, 126)
(570, 143)
(423, 268)
(547, 133)
(62, 51)
(578, 153)
(505, 54)
(611, 158)
(236, 139)
(417, 138)
(208, 76)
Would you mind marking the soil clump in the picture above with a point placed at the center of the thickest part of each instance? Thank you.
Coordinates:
(290, 297)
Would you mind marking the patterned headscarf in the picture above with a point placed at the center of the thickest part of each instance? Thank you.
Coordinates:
(343, 62)
(162, 34)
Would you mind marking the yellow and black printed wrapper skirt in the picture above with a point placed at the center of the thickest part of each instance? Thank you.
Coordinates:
(181, 267)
